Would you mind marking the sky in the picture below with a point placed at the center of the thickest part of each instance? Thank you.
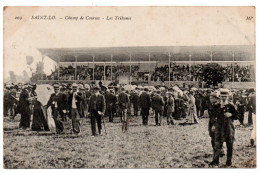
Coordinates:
(149, 26)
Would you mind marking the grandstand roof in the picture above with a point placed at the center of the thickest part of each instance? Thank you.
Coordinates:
(157, 53)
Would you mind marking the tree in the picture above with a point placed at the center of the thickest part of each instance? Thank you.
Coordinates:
(213, 74)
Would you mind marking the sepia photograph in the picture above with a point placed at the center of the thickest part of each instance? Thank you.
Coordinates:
(129, 87)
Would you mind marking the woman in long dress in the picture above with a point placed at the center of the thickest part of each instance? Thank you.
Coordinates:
(170, 109)
(192, 112)
(24, 109)
(39, 122)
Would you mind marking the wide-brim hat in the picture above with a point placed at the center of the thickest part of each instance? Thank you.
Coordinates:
(224, 92)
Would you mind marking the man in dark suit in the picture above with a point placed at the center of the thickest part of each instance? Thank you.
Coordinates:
(251, 106)
(111, 100)
(74, 105)
(65, 100)
(88, 95)
(57, 101)
(123, 103)
(135, 101)
(145, 104)
(241, 107)
(83, 101)
(158, 104)
(97, 107)
(225, 113)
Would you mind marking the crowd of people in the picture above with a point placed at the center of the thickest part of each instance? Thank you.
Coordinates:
(77, 101)
(178, 72)
(85, 72)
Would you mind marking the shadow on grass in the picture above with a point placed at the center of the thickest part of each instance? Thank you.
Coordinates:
(186, 124)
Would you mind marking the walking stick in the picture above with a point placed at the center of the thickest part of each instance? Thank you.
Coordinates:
(111, 112)
(104, 125)
(101, 114)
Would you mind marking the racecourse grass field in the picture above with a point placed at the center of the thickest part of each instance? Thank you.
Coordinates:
(178, 146)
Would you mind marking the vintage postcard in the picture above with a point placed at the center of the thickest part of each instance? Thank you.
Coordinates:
(129, 87)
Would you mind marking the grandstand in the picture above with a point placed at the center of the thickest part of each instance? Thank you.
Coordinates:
(151, 65)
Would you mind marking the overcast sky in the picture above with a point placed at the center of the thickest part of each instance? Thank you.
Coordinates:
(149, 26)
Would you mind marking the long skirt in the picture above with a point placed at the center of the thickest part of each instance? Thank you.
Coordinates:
(25, 120)
(39, 122)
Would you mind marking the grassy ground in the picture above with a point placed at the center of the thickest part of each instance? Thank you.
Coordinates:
(149, 146)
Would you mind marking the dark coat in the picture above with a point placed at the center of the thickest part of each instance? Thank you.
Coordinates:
(24, 103)
(225, 131)
(135, 100)
(100, 103)
(111, 99)
(212, 118)
(145, 101)
(157, 103)
(123, 100)
(61, 102)
(88, 95)
(252, 103)
(24, 109)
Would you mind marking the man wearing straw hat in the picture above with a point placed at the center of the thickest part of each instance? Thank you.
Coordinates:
(225, 113)
(74, 102)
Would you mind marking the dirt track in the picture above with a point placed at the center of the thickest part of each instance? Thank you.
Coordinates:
(150, 146)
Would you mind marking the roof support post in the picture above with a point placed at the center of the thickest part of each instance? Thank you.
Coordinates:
(111, 72)
(130, 56)
(149, 78)
(169, 76)
(76, 65)
(190, 67)
(42, 63)
(58, 67)
(93, 74)
(104, 70)
(233, 69)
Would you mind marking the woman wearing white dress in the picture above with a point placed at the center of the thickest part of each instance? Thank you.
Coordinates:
(192, 112)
